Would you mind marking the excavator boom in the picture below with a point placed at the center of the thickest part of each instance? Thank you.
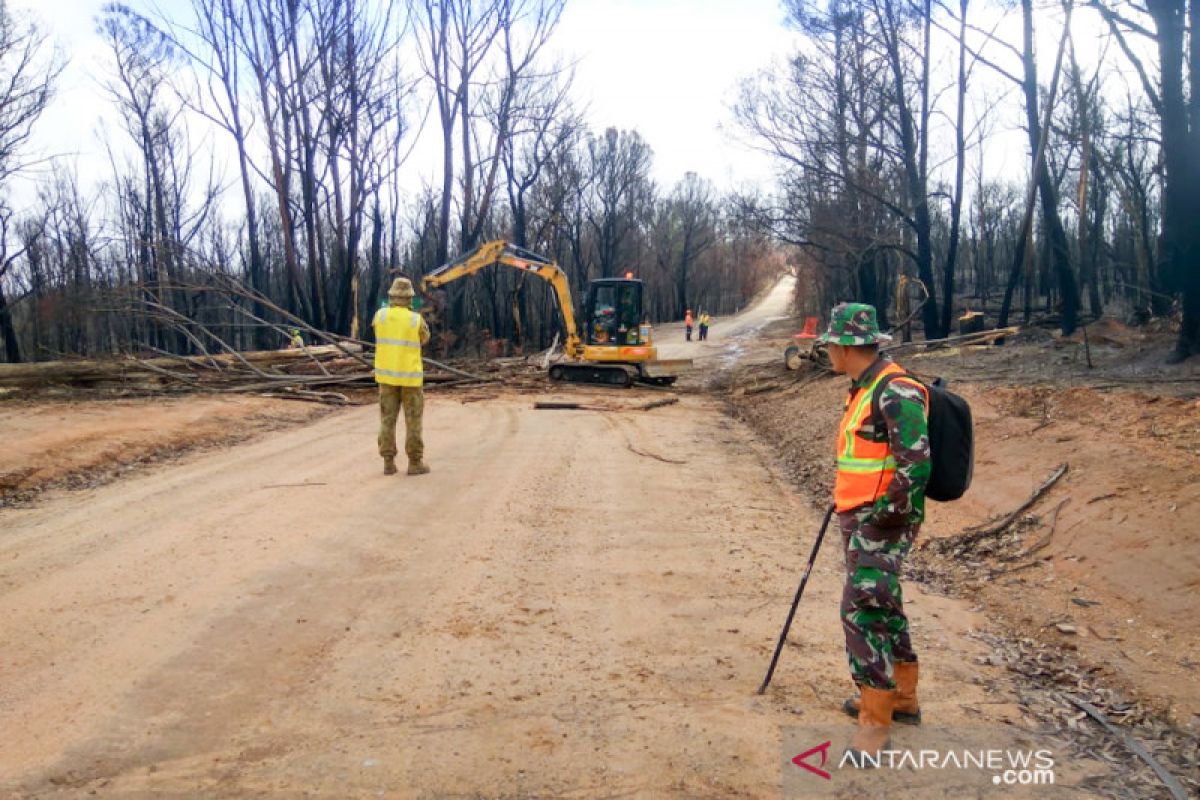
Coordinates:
(502, 252)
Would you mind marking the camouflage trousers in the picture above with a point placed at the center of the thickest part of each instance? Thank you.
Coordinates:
(391, 399)
(872, 607)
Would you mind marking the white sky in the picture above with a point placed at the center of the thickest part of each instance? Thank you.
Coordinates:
(668, 68)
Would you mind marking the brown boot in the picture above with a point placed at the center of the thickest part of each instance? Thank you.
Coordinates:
(907, 710)
(874, 726)
(389, 466)
(417, 468)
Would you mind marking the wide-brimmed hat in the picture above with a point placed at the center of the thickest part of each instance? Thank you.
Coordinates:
(401, 289)
(853, 324)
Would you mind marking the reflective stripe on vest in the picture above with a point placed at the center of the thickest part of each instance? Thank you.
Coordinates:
(864, 468)
(398, 347)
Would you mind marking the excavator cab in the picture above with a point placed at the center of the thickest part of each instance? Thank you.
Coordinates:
(614, 313)
(616, 345)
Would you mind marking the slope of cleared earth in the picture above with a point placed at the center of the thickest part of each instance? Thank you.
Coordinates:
(1100, 577)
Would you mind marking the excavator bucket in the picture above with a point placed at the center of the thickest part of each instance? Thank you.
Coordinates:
(666, 368)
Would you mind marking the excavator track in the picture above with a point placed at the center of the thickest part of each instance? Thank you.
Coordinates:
(606, 374)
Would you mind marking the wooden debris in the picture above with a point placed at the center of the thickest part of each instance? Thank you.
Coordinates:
(131, 369)
(558, 405)
(290, 485)
(1137, 748)
(454, 371)
(340, 363)
(979, 533)
(329, 398)
(1053, 524)
(633, 449)
(1048, 680)
(765, 387)
(565, 405)
(983, 337)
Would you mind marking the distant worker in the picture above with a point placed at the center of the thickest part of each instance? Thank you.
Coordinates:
(704, 323)
(399, 334)
(879, 496)
(687, 324)
(297, 341)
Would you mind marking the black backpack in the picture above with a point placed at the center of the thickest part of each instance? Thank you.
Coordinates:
(951, 438)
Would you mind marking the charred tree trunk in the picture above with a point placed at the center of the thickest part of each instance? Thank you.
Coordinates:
(1180, 120)
(960, 153)
(1059, 250)
(12, 349)
(914, 145)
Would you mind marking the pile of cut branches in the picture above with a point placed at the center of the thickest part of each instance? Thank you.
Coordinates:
(312, 372)
(304, 373)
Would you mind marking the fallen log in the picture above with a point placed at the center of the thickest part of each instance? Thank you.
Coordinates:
(558, 405)
(132, 369)
(297, 380)
(328, 398)
(455, 371)
(251, 371)
(983, 337)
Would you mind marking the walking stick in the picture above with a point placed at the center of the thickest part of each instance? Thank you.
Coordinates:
(799, 592)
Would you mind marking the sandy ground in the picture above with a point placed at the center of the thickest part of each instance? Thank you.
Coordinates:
(85, 442)
(1120, 567)
(573, 604)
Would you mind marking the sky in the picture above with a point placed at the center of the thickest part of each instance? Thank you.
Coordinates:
(668, 68)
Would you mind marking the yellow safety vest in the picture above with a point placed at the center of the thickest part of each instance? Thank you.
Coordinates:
(398, 347)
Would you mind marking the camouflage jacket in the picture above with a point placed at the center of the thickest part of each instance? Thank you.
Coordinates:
(903, 408)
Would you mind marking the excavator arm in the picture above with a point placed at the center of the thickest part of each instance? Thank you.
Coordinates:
(502, 252)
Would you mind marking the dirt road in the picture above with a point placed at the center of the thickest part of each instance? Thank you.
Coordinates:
(727, 336)
(572, 604)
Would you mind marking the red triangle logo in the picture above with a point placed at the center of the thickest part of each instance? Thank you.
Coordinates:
(802, 760)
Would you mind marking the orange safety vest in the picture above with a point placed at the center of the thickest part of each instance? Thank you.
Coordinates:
(864, 468)
(688, 320)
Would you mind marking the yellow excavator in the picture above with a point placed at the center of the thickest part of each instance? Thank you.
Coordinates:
(616, 346)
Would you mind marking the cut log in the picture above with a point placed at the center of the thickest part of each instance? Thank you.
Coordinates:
(132, 370)
(985, 337)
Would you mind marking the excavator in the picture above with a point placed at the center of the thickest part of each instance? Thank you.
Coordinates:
(616, 346)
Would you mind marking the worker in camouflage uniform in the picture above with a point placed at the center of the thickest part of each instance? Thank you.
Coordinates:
(879, 497)
(399, 334)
